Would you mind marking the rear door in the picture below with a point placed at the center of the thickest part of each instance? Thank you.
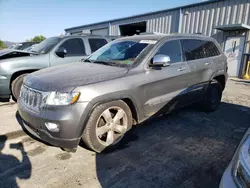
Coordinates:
(201, 66)
(75, 51)
(165, 87)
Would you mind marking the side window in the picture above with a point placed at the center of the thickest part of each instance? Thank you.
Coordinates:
(192, 49)
(210, 49)
(171, 49)
(74, 47)
(95, 43)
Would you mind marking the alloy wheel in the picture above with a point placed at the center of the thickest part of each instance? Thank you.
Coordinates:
(111, 126)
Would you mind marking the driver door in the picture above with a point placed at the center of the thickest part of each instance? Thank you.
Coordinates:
(166, 86)
(75, 49)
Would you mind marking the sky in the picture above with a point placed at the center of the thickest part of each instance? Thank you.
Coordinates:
(23, 19)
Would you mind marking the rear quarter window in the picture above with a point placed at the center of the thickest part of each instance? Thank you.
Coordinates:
(210, 49)
(96, 43)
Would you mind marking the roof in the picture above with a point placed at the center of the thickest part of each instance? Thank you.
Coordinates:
(83, 35)
(232, 27)
(161, 36)
(144, 37)
(145, 14)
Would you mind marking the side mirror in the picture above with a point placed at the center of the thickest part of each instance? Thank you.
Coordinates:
(160, 61)
(61, 52)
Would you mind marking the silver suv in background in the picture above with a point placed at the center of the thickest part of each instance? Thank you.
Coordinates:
(15, 65)
(123, 83)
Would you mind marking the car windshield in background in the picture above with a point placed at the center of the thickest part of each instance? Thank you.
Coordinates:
(46, 45)
(17, 46)
(119, 53)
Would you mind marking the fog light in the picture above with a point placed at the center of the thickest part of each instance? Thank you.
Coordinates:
(52, 126)
(3, 77)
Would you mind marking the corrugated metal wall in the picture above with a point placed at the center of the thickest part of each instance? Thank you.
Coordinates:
(201, 18)
(91, 27)
(166, 22)
(204, 18)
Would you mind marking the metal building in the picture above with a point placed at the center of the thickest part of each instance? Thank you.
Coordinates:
(228, 21)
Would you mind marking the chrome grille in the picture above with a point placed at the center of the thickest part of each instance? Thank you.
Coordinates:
(31, 98)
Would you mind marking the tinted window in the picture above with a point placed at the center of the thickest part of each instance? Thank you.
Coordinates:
(192, 49)
(74, 47)
(210, 49)
(171, 49)
(95, 44)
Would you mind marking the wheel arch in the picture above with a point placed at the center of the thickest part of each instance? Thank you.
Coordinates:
(128, 100)
(133, 109)
(221, 79)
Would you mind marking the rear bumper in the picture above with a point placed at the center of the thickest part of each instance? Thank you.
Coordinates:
(70, 120)
(4, 88)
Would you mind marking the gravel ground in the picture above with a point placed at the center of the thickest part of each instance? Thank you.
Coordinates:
(187, 148)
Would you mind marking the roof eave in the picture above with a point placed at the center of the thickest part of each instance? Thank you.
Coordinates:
(232, 27)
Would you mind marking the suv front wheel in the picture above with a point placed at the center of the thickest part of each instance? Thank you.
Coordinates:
(107, 125)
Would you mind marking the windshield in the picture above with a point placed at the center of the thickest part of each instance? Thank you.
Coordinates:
(17, 46)
(46, 45)
(118, 52)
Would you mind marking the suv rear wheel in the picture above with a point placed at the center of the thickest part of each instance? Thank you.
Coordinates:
(107, 125)
(212, 98)
(16, 86)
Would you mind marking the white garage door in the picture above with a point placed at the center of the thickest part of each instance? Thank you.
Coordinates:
(103, 31)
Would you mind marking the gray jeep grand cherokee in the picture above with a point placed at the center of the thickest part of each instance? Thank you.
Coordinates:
(125, 82)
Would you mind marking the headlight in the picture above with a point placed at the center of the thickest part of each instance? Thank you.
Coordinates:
(241, 166)
(56, 98)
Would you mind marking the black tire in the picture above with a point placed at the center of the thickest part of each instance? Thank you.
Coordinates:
(212, 98)
(16, 87)
(89, 135)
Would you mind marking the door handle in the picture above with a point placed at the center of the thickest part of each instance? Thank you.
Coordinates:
(181, 69)
(207, 63)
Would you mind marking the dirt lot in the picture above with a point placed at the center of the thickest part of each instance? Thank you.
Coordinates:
(187, 148)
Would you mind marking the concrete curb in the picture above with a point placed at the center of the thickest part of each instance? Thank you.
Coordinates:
(240, 80)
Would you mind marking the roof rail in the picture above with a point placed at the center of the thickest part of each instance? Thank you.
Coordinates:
(154, 33)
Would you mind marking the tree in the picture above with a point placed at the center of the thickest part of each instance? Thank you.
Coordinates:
(38, 38)
(2, 45)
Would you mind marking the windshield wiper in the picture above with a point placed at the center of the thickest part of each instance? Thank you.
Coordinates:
(104, 63)
(99, 62)
(86, 60)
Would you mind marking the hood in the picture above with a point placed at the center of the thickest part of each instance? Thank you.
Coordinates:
(67, 77)
(12, 53)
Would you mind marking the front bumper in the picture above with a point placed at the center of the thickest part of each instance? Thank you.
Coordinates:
(4, 88)
(71, 120)
(227, 178)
